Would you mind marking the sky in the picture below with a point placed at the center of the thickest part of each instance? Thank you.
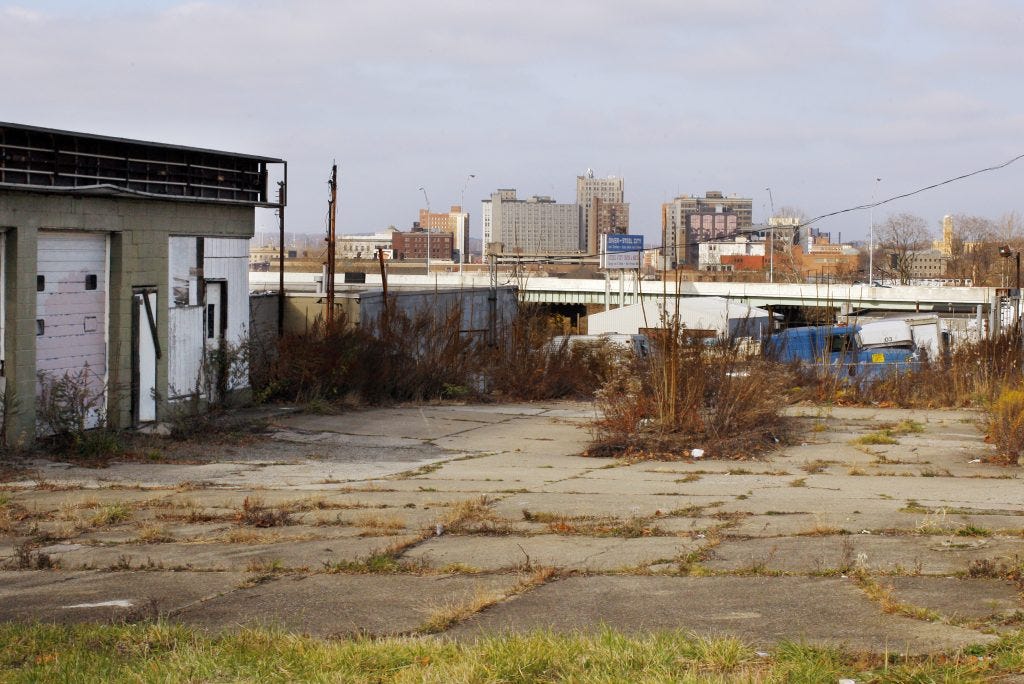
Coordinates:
(814, 99)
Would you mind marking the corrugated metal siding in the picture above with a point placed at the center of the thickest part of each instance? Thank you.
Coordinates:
(185, 342)
(228, 259)
(226, 247)
(74, 318)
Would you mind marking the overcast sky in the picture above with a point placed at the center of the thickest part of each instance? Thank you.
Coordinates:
(813, 99)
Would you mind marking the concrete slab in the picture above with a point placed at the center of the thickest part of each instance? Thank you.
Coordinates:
(342, 605)
(764, 611)
(409, 423)
(929, 555)
(531, 436)
(231, 556)
(955, 597)
(67, 597)
(596, 504)
(598, 554)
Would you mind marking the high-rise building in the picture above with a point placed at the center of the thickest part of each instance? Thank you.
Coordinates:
(686, 221)
(602, 209)
(537, 225)
(455, 222)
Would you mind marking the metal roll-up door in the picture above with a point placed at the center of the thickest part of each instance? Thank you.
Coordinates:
(71, 312)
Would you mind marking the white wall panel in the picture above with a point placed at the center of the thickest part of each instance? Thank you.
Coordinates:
(185, 341)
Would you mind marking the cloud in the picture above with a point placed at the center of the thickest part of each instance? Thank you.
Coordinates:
(734, 94)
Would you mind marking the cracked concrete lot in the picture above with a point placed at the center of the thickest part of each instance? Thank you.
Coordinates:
(469, 520)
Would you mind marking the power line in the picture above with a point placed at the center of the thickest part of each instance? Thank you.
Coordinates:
(915, 192)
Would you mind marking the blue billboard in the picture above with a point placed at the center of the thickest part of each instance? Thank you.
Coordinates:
(621, 251)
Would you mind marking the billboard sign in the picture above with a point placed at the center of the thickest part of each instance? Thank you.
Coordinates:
(621, 251)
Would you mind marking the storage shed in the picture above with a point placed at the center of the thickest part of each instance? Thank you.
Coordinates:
(714, 314)
(122, 262)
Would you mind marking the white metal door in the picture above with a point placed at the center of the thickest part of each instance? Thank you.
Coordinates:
(71, 312)
(145, 355)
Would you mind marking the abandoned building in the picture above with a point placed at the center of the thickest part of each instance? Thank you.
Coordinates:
(123, 262)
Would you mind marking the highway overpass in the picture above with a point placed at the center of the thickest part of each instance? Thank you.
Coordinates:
(846, 298)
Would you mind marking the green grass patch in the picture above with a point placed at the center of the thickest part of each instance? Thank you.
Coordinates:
(160, 652)
(880, 437)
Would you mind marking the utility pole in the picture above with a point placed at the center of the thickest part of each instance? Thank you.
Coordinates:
(492, 301)
(332, 211)
(383, 277)
(281, 201)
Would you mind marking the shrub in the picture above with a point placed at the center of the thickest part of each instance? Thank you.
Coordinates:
(692, 394)
(1006, 425)
(425, 356)
(972, 374)
(70, 414)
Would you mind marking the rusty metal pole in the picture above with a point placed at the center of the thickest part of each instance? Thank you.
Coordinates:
(383, 277)
(281, 200)
(492, 300)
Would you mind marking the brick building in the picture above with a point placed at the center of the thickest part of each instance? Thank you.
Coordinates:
(413, 245)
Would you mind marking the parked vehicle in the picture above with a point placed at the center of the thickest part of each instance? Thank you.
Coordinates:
(841, 350)
(925, 333)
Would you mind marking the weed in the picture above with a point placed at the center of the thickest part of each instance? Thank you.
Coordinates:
(255, 513)
(876, 438)
(799, 482)
(265, 566)
(444, 616)
(1008, 569)
(821, 530)
(933, 523)
(973, 531)
(936, 472)
(1006, 425)
(375, 524)
(151, 533)
(906, 427)
(816, 466)
(884, 596)
(28, 557)
(70, 412)
(474, 516)
(111, 514)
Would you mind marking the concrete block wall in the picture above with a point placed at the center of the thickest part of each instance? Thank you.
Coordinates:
(139, 230)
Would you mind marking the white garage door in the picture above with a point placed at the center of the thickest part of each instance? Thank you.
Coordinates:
(71, 309)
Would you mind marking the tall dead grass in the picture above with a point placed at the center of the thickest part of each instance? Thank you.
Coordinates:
(689, 394)
(426, 355)
(972, 375)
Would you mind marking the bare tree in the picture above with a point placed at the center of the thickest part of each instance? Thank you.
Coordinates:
(900, 238)
(784, 237)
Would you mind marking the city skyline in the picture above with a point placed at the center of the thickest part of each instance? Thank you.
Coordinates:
(813, 100)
